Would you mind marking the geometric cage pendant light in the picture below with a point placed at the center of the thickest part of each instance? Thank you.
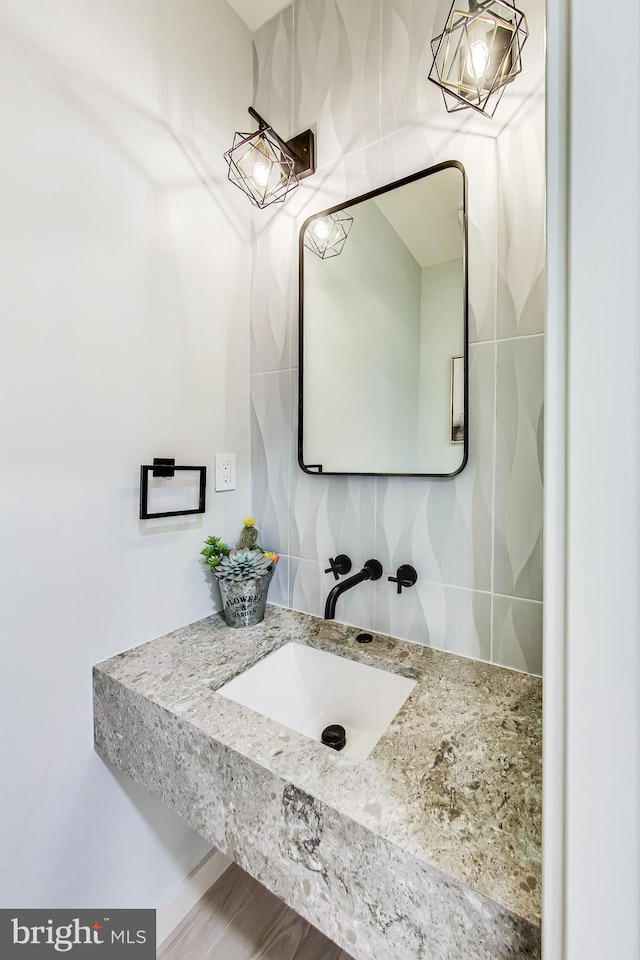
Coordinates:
(326, 236)
(478, 53)
(265, 167)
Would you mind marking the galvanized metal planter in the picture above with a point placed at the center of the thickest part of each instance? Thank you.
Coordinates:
(244, 602)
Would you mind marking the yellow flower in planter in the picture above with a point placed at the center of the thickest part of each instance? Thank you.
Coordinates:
(274, 557)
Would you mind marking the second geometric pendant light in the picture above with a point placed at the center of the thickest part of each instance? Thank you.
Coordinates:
(478, 53)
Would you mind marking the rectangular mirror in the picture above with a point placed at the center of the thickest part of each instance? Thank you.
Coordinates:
(383, 362)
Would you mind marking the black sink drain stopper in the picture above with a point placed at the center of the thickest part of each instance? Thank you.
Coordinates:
(334, 736)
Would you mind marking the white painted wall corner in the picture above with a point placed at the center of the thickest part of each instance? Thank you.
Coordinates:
(175, 908)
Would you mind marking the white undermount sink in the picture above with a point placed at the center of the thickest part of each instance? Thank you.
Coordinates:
(308, 689)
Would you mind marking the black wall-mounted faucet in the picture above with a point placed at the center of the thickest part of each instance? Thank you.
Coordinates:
(372, 570)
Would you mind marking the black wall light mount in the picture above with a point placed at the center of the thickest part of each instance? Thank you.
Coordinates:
(301, 149)
(267, 168)
(166, 467)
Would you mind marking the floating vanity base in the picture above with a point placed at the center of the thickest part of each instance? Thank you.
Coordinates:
(340, 840)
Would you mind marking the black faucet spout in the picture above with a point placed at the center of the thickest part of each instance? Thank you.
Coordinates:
(372, 570)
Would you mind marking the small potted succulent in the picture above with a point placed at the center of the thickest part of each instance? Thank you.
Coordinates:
(243, 574)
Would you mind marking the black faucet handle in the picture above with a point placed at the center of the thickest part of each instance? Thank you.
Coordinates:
(339, 565)
(406, 576)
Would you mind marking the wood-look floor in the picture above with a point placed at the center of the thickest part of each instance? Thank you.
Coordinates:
(238, 919)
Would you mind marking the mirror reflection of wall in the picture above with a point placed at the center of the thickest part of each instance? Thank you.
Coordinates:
(383, 315)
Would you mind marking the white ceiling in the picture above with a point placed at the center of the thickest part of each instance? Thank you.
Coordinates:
(256, 12)
(425, 215)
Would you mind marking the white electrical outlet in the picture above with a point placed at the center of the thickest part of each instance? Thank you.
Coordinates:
(225, 471)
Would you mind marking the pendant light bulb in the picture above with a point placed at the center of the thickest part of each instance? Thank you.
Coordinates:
(321, 229)
(478, 53)
(478, 59)
(261, 174)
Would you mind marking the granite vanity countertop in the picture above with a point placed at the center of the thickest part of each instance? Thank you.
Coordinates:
(455, 780)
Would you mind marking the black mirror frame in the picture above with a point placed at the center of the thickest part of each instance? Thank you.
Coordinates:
(316, 470)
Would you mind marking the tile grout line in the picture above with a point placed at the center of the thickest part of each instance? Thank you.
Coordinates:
(494, 455)
(266, 373)
(289, 486)
(443, 648)
(522, 336)
(379, 179)
(292, 368)
(416, 123)
(508, 596)
(293, 72)
(472, 343)
(494, 438)
(375, 549)
(292, 330)
(445, 586)
(379, 86)
(378, 176)
(420, 643)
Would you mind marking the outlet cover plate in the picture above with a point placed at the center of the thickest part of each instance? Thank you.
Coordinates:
(225, 471)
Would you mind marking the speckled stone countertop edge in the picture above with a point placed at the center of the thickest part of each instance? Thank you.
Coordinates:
(406, 801)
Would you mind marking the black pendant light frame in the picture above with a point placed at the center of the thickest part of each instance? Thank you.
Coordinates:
(451, 50)
(293, 160)
(340, 225)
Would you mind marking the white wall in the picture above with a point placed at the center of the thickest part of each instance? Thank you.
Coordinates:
(124, 281)
(602, 819)
(441, 337)
(362, 351)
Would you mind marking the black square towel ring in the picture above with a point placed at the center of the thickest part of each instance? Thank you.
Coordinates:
(165, 467)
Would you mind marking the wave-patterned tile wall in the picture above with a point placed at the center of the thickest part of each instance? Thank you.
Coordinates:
(357, 71)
